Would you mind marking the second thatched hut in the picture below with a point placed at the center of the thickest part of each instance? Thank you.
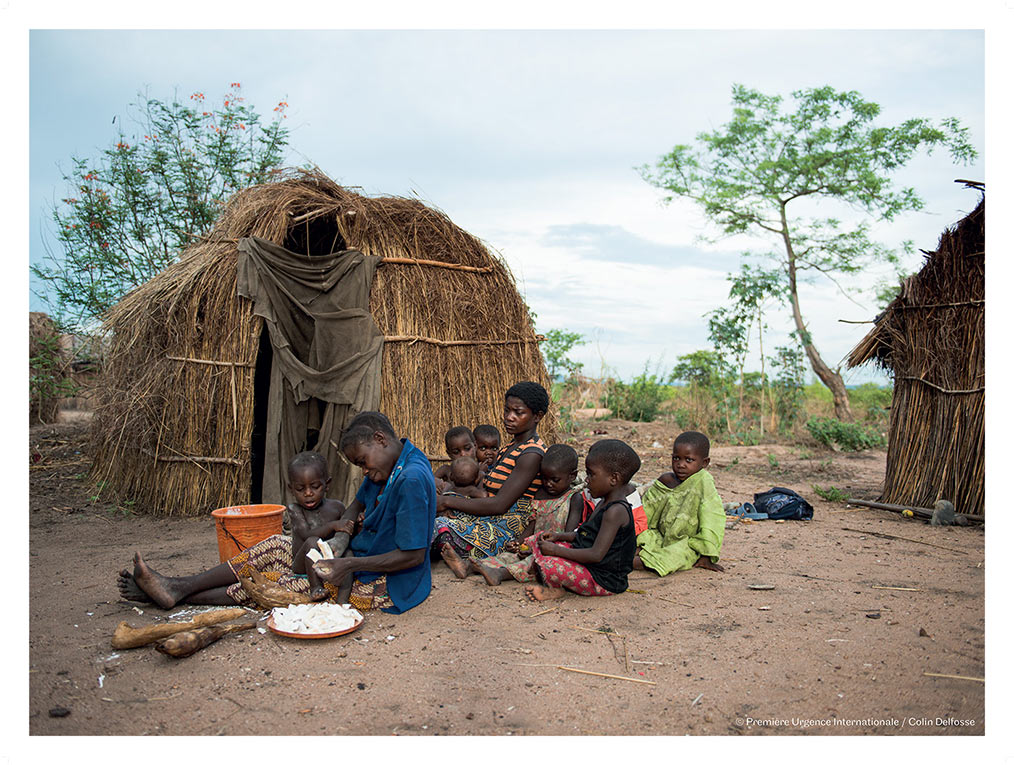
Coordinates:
(932, 339)
(348, 303)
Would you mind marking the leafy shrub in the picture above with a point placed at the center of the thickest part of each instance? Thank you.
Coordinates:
(639, 401)
(848, 436)
(831, 494)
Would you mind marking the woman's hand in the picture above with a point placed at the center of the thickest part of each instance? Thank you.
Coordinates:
(333, 570)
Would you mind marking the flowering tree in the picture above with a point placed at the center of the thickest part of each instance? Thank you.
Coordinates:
(132, 210)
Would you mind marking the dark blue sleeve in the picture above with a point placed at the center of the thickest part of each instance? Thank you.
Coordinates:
(415, 510)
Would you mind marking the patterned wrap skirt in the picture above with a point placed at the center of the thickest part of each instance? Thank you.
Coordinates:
(562, 572)
(272, 557)
(482, 536)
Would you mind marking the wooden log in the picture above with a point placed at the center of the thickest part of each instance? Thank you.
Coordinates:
(188, 643)
(126, 636)
(923, 512)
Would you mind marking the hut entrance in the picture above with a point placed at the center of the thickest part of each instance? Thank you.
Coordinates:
(319, 356)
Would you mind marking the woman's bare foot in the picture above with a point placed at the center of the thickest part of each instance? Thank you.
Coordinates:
(159, 588)
(493, 576)
(318, 593)
(538, 592)
(637, 563)
(129, 589)
(454, 561)
(705, 562)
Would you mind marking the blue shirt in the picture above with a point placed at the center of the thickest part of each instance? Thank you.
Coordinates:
(399, 515)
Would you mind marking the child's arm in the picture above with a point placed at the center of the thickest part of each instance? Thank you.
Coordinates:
(329, 522)
(613, 518)
(575, 513)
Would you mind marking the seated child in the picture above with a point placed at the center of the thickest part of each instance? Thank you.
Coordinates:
(634, 498)
(487, 444)
(686, 521)
(463, 477)
(313, 516)
(459, 442)
(556, 506)
(597, 557)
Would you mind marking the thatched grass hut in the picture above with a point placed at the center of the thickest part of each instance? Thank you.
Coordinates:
(932, 339)
(182, 414)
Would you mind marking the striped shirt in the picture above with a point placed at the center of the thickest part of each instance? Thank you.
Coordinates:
(504, 464)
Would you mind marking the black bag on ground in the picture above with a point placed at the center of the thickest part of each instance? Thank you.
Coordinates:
(783, 504)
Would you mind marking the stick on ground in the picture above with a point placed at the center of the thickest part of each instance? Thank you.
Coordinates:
(600, 674)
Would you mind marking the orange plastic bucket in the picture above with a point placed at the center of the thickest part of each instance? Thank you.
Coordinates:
(243, 526)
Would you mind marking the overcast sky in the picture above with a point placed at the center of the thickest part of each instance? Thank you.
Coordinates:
(530, 140)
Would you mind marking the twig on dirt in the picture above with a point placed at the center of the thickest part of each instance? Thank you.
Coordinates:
(520, 664)
(904, 589)
(955, 677)
(656, 663)
(626, 656)
(600, 674)
(670, 600)
(904, 539)
(600, 632)
(152, 698)
(532, 616)
(699, 697)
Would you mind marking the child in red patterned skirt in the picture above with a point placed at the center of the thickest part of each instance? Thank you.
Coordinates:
(597, 557)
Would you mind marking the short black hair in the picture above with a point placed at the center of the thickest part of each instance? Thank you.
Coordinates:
(486, 431)
(464, 470)
(363, 426)
(455, 432)
(696, 441)
(532, 394)
(303, 460)
(560, 457)
(616, 457)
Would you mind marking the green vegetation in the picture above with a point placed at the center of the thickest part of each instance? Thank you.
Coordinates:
(848, 436)
(756, 173)
(639, 401)
(831, 494)
(47, 380)
(134, 208)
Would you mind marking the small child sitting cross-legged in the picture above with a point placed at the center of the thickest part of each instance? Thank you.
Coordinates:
(459, 442)
(463, 478)
(314, 516)
(686, 521)
(597, 557)
(556, 506)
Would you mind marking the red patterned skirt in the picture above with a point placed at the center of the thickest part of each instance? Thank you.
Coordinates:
(563, 572)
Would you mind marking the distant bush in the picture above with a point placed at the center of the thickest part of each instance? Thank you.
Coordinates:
(848, 436)
(639, 401)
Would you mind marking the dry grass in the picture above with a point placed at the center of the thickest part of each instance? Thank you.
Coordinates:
(175, 434)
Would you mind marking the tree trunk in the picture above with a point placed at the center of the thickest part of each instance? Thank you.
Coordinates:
(764, 377)
(828, 376)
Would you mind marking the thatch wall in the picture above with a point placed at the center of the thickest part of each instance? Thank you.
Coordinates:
(175, 414)
(932, 339)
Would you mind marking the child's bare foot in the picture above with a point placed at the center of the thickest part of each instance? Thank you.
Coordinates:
(637, 563)
(129, 589)
(493, 576)
(318, 593)
(454, 561)
(159, 588)
(705, 562)
(538, 592)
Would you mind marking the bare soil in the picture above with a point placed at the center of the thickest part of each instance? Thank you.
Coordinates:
(828, 650)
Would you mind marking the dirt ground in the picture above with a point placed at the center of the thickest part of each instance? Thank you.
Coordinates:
(840, 645)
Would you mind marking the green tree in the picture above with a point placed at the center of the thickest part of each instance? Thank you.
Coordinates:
(751, 291)
(753, 175)
(555, 349)
(144, 199)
